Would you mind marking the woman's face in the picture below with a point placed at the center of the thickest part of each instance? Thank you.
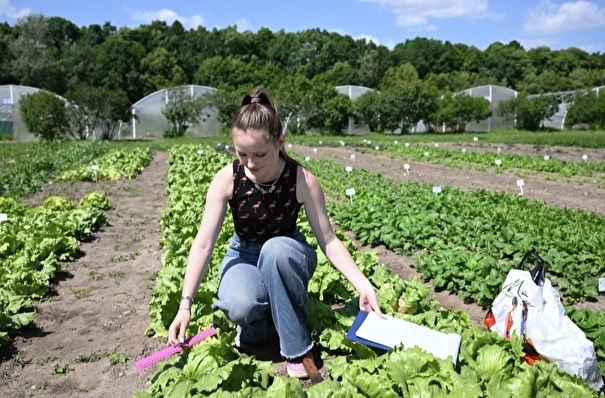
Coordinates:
(259, 155)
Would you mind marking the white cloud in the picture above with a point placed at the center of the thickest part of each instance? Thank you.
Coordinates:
(11, 12)
(169, 16)
(417, 14)
(548, 18)
(243, 25)
(593, 48)
(368, 39)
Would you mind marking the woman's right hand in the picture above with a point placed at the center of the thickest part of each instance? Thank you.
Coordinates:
(178, 327)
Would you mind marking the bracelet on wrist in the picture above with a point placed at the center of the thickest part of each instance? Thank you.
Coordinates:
(188, 298)
(185, 309)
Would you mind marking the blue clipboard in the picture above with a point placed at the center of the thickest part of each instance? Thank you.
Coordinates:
(351, 334)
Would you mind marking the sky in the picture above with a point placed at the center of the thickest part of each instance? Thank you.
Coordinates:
(554, 24)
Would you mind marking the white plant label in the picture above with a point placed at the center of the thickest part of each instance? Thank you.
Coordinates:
(520, 184)
(352, 156)
(289, 146)
(426, 154)
(436, 144)
(320, 142)
(395, 142)
(314, 150)
(407, 168)
(200, 152)
(348, 169)
(475, 139)
(350, 192)
(463, 150)
(94, 167)
(377, 147)
(307, 158)
(498, 162)
(499, 150)
(585, 157)
(437, 190)
(601, 284)
(226, 147)
(407, 144)
(342, 143)
(3, 217)
(546, 157)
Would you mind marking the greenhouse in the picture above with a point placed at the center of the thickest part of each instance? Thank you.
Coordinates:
(10, 116)
(354, 92)
(495, 95)
(149, 121)
(564, 98)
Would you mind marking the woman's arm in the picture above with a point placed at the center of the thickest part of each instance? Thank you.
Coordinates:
(310, 194)
(219, 192)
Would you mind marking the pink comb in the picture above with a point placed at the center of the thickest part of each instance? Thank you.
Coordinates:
(170, 351)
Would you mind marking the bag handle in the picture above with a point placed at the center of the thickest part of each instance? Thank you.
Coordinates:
(537, 273)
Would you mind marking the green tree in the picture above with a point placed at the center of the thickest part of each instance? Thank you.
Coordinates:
(159, 70)
(7, 35)
(227, 102)
(34, 64)
(371, 67)
(367, 110)
(80, 58)
(44, 115)
(456, 111)
(289, 94)
(226, 71)
(400, 76)
(342, 74)
(507, 63)
(416, 102)
(117, 65)
(183, 110)
(336, 113)
(529, 113)
(587, 110)
(93, 110)
(321, 107)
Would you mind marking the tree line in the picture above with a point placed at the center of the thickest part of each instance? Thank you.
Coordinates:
(301, 68)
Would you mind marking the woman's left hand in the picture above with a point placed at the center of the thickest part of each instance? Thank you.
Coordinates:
(368, 301)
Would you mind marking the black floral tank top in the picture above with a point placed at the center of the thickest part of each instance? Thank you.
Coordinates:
(259, 215)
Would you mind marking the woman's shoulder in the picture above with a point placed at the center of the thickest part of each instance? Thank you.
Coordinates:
(223, 180)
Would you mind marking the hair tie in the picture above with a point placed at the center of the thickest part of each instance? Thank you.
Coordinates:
(254, 100)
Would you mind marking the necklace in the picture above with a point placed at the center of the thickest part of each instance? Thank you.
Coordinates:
(264, 191)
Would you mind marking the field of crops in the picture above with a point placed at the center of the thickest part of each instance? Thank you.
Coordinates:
(80, 240)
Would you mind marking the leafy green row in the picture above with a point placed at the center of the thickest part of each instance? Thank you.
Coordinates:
(32, 242)
(116, 164)
(487, 365)
(458, 158)
(42, 163)
(469, 240)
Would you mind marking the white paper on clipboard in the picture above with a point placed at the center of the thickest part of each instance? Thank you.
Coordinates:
(392, 332)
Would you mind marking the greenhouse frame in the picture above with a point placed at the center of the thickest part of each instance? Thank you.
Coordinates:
(354, 92)
(11, 122)
(148, 121)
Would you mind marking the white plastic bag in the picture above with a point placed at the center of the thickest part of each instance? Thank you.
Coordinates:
(529, 306)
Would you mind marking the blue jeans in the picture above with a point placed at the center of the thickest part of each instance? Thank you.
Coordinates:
(273, 275)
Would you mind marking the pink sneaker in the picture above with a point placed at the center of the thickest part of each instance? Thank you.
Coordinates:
(296, 368)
